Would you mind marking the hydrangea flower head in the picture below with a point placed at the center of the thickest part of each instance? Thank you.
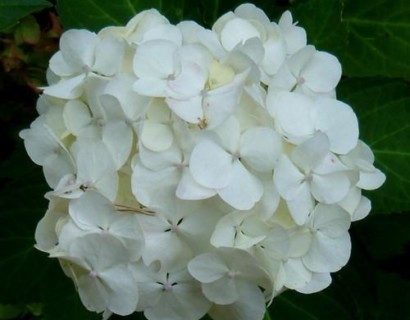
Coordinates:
(197, 171)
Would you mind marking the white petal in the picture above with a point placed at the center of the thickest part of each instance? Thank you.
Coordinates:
(297, 276)
(318, 282)
(123, 290)
(339, 122)
(207, 268)
(210, 165)
(293, 116)
(221, 102)
(92, 211)
(156, 136)
(249, 306)
(171, 157)
(311, 152)
(99, 252)
(108, 56)
(92, 293)
(298, 61)
(151, 87)
(330, 188)
(163, 31)
(167, 247)
(77, 47)
(243, 189)
(120, 90)
(189, 189)
(328, 254)
(283, 80)
(323, 72)
(301, 205)
(190, 81)
(46, 231)
(67, 89)
(295, 38)
(153, 187)
(371, 180)
(60, 67)
(76, 116)
(260, 148)
(226, 229)
(96, 168)
(237, 31)
(189, 110)
(39, 141)
(155, 59)
(56, 166)
(222, 291)
(275, 54)
(362, 210)
(118, 137)
(287, 178)
(184, 301)
(331, 220)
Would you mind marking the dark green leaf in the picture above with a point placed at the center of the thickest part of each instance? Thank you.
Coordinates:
(378, 37)
(321, 19)
(11, 11)
(394, 293)
(369, 37)
(293, 305)
(384, 236)
(94, 15)
(383, 108)
(21, 206)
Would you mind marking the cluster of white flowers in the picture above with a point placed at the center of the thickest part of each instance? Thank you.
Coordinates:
(197, 171)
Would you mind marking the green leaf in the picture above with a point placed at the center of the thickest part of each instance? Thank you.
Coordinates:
(378, 42)
(95, 15)
(378, 247)
(21, 206)
(11, 11)
(293, 305)
(394, 293)
(383, 109)
(10, 311)
(369, 37)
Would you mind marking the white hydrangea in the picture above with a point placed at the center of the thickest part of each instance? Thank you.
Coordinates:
(197, 171)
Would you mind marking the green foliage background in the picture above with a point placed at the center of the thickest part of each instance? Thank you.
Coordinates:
(372, 40)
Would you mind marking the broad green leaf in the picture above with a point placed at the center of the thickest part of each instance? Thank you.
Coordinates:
(94, 15)
(394, 295)
(321, 19)
(10, 311)
(378, 37)
(21, 206)
(384, 236)
(293, 305)
(383, 109)
(11, 11)
(369, 37)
